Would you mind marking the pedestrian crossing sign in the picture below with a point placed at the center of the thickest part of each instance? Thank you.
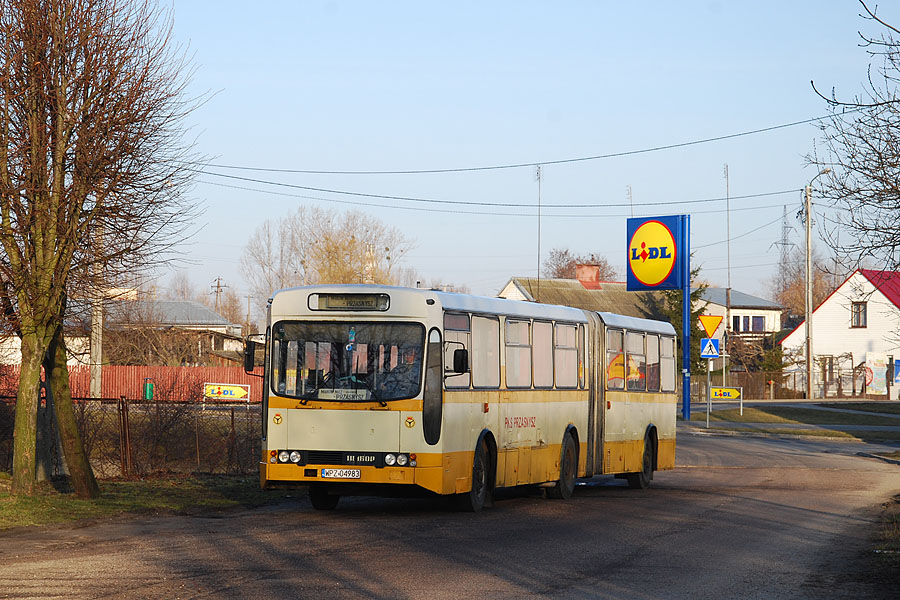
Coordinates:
(709, 348)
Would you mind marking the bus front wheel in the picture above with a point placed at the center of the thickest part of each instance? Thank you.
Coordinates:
(321, 499)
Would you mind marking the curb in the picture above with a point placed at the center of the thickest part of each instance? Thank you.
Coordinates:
(757, 434)
(881, 458)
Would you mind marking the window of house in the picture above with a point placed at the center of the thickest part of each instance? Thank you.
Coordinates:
(759, 324)
(736, 324)
(858, 314)
(746, 324)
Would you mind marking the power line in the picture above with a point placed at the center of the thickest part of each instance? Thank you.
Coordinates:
(531, 164)
(737, 237)
(504, 214)
(472, 203)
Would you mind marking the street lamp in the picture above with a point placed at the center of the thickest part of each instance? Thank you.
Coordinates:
(809, 287)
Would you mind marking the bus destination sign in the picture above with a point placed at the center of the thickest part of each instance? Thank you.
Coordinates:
(350, 302)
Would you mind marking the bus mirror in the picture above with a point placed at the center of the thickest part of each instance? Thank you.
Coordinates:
(461, 360)
(249, 356)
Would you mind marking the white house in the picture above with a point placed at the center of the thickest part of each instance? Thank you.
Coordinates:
(861, 317)
(752, 318)
(215, 331)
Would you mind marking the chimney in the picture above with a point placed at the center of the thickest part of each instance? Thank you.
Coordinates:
(588, 276)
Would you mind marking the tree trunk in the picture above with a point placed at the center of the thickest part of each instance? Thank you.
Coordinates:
(27, 397)
(78, 463)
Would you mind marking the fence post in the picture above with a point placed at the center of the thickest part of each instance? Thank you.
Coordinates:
(124, 437)
(232, 453)
(197, 435)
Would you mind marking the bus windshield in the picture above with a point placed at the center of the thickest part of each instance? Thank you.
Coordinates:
(347, 361)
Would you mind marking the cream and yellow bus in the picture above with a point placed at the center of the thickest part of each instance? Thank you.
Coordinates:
(375, 389)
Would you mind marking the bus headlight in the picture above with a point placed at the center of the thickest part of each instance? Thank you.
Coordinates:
(402, 460)
(390, 460)
(295, 457)
(284, 456)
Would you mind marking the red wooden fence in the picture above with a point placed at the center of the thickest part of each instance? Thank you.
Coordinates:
(170, 383)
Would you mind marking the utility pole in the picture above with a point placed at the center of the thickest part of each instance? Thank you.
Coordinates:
(97, 348)
(538, 175)
(728, 288)
(809, 300)
(809, 288)
(218, 287)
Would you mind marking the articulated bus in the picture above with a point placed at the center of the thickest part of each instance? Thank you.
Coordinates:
(378, 390)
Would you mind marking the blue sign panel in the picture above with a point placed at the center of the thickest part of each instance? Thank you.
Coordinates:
(709, 348)
(656, 253)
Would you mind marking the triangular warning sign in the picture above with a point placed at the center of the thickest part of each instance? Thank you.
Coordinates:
(710, 349)
(710, 323)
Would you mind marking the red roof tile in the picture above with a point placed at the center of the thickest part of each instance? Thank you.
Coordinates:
(887, 282)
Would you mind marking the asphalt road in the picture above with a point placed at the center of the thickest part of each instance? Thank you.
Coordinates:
(739, 517)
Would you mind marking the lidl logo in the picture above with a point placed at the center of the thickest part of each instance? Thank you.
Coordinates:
(652, 253)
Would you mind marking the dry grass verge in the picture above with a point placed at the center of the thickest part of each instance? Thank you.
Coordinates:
(162, 494)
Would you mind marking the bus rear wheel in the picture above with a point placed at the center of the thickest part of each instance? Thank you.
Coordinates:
(641, 480)
(321, 499)
(568, 467)
(474, 499)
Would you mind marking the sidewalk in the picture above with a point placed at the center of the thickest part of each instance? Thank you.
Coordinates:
(891, 420)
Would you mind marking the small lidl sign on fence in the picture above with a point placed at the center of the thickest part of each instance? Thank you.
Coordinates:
(722, 393)
(225, 391)
(655, 253)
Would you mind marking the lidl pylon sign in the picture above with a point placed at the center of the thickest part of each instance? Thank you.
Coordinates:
(659, 258)
(656, 253)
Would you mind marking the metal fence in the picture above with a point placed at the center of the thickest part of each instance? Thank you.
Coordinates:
(787, 385)
(133, 438)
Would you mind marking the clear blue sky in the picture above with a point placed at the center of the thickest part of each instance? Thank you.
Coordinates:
(332, 85)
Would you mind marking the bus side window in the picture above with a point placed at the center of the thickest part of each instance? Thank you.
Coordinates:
(485, 356)
(566, 358)
(542, 354)
(667, 364)
(432, 406)
(652, 363)
(583, 359)
(635, 374)
(457, 336)
(518, 354)
(615, 360)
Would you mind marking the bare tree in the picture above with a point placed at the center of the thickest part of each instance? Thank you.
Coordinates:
(315, 245)
(861, 152)
(560, 264)
(277, 254)
(231, 307)
(93, 171)
(789, 284)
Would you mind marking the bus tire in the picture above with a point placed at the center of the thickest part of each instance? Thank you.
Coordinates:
(568, 469)
(321, 499)
(475, 498)
(641, 480)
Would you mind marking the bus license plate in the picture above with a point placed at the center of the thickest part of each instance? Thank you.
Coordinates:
(341, 473)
